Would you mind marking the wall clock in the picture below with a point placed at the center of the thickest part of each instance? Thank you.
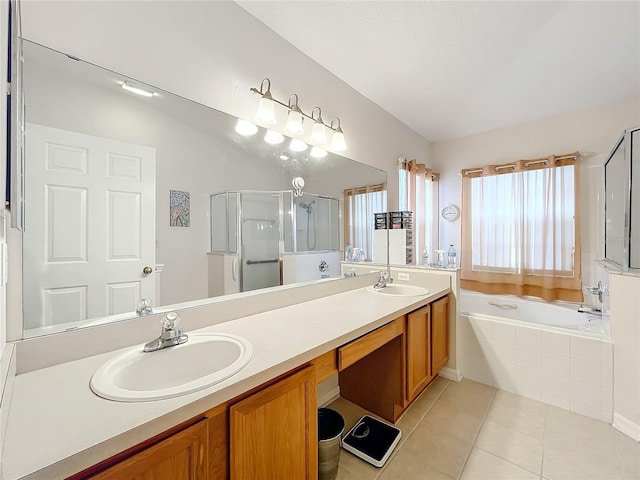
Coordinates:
(450, 213)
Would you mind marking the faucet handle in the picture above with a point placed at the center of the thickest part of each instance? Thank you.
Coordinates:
(170, 321)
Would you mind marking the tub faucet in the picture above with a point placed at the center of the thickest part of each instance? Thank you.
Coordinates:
(597, 311)
(170, 335)
(599, 290)
(144, 307)
(384, 280)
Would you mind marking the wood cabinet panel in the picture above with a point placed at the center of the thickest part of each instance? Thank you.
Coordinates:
(326, 365)
(273, 433)
(363, 346)
(439, 334)
(418, 342)
(182, 456)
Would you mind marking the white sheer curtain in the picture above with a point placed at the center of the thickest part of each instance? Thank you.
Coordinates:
(361, 205)
(519, 229)
(418, 192)
(523, 222)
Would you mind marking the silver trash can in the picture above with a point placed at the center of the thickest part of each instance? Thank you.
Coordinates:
(330, 428)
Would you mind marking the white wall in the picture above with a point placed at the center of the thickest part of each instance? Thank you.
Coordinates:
(625, 333)
(592, 132)
(212, 52)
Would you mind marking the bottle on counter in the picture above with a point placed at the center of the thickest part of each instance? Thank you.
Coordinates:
(425, 258)
(452, 257)
(348, 253)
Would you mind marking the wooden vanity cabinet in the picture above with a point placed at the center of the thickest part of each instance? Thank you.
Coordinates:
(439, 334)
(274, 432)
(419, 349)
(182, 456)
(269, 432)
(427, 340)
(385, 370)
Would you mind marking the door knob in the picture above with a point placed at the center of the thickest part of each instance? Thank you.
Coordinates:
(147, 270)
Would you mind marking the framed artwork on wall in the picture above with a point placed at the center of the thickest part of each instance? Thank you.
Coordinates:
(179, 208)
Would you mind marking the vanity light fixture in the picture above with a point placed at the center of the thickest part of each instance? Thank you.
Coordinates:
(298, 145)
(137, 89)
(337, 139)
(317, 152)
(273, 138)
(295, 119)
(318, 135)
(246, 128)
(266, 113)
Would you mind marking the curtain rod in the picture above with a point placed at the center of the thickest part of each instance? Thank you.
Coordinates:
(527, 163)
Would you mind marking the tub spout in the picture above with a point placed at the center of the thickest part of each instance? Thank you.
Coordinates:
(591, 310)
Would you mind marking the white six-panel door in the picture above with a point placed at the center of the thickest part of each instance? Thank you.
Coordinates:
(89, 227)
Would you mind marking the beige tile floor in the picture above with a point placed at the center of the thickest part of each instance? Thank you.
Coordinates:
(470, 431)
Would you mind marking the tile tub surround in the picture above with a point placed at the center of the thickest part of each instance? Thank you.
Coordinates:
(471, 431)
(572, 370)
(283, 339)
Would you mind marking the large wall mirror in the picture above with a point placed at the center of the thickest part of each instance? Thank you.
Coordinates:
(130, 196)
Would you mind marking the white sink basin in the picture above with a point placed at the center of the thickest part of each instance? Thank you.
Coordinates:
(206, 359)
(399, 290)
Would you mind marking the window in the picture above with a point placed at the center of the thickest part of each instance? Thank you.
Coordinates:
(519, 227)
(418, 192)
(360, 205)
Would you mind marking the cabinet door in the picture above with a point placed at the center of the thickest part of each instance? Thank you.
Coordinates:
(182, 456)
(439, 334)
(418, 351)
(274, 432)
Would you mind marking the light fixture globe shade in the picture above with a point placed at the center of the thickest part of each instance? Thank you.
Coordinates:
(317, 152)
(273, 138)
(337, 142)
(245, 128)
(266, 114)
(298, 145)
(294, 123)
(318, 134)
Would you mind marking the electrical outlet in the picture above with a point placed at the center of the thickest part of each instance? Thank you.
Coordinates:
(403, 276)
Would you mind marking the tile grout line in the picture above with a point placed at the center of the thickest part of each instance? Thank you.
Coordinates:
(475, 438)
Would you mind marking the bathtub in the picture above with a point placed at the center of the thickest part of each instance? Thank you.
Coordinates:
(547, 352)
(531, 311)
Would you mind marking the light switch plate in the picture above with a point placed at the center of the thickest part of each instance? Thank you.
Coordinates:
(403, 276)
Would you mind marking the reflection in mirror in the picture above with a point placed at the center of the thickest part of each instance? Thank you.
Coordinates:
(136, 193)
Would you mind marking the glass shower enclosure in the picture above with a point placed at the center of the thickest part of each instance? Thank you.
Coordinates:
(252, 230)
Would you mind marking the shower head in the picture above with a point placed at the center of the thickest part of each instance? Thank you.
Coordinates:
(307, 206)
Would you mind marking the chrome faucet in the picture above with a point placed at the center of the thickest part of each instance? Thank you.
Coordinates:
(384, 280)
(144, 307)
(599, 290)
(350, 273)
(170, 335)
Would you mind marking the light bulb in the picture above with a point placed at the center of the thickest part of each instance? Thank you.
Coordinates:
(318, 134)
(317, 152)
(266, 114)
(273, 138)
(298, 145)
(337, 141)
(294, 123)
(245, 128)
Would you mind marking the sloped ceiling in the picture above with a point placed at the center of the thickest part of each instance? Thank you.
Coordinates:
(451, 69)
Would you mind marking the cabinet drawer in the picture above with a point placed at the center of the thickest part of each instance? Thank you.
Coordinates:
(363, 346)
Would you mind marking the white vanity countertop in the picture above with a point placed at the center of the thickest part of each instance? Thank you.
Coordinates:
(58, 427)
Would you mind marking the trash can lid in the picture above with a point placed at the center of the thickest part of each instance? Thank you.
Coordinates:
(330, 424)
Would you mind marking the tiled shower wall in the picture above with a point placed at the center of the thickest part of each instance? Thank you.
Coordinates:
(570, 371)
